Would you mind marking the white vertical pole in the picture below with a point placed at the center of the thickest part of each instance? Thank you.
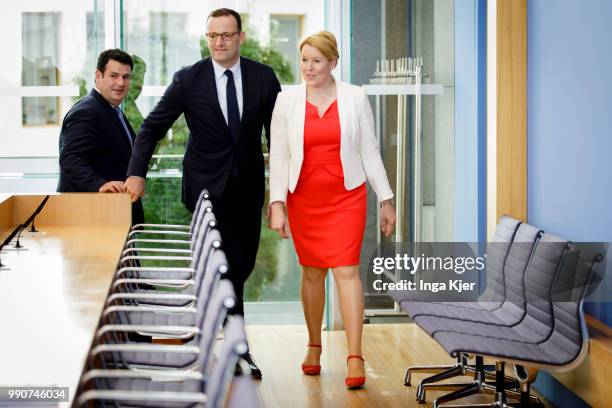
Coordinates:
(417, 146)
(337, 20)
(400, 163)
(337, 13)
(491, 116)
(111, 26)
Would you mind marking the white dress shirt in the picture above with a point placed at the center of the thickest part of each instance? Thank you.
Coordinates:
(221, 81)
(98, 91)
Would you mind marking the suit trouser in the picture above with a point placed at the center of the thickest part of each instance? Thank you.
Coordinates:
(238, 214)
(137, 213)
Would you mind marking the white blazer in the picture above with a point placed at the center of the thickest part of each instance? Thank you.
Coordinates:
(359, 150)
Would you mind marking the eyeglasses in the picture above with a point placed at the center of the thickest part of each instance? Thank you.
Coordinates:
(212, 37)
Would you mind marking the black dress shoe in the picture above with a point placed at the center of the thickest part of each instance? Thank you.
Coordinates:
(238, 370)
(250, 361)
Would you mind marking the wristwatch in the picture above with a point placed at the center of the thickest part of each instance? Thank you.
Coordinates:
(389, 201)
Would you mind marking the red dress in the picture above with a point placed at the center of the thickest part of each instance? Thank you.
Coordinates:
(327, 221)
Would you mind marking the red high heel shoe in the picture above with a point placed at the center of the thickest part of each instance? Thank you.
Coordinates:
(312, 369)
(354, 382)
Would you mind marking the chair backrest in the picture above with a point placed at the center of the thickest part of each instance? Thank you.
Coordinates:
(205, 206)
(223, 299)
(216, 268)
(211, 245)
(570, 332)
(199, 241)
(200, 220)
(497, 252)
(540, 277)
(243, 393)
(234, 344)
(208, 220)
(203, 278)
(518, 259)
(204, 195)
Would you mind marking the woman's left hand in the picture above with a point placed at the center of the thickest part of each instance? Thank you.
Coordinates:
(387, 218)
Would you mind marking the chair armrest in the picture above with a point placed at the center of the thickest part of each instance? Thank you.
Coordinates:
(178, 332)
(150, 296)
(156, 258)
(157, 241)
(177, 226)
(127, 251)
(164, 283)
(143, 347)
(133, 234)
(159, 375)
(155, 396)
(125, 269)
(148, 309)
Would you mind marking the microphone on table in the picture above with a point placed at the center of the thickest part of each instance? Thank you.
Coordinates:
(9, 239)
(30, 220)
(33, 229)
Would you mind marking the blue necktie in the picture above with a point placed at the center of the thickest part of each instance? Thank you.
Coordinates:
(127, 131)
(233, 113)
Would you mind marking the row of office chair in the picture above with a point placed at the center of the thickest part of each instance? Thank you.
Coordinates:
(530, 315)
(160, 325)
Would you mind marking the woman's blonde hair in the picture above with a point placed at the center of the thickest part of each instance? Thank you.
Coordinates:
(325, 42)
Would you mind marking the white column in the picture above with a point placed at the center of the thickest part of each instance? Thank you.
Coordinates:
(337, 20)
(112, 26)
(491, 116)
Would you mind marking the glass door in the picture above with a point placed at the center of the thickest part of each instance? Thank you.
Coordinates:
(402, 52)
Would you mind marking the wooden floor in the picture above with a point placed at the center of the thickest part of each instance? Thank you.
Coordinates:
(388, 349)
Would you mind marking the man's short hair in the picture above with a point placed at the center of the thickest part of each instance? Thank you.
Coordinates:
(226, 12)
(114, 54)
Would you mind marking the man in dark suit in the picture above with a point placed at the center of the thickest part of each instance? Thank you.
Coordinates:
(96, 138)
(227, 100)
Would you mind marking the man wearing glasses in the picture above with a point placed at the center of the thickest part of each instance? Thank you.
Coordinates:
(227, 100)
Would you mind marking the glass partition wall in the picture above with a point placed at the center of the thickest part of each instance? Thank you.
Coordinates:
(51, 49)
(414, 126)
(50, 60)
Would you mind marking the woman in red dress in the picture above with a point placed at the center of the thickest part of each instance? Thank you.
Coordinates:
(322, 151)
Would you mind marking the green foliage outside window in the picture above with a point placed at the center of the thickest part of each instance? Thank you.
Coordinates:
(252, 49)
(162, 201)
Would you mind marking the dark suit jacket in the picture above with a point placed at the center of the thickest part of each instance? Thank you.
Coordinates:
(211, 152)
(94, 148)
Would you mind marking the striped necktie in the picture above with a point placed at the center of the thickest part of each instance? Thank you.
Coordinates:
(125, 127)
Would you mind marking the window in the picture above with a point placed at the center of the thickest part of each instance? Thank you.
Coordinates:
(95, 45)
(285, 34)
(40, 66)
(388, 31)
(49, 50)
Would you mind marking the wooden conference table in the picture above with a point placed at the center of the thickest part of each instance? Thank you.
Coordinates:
(52, 291)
